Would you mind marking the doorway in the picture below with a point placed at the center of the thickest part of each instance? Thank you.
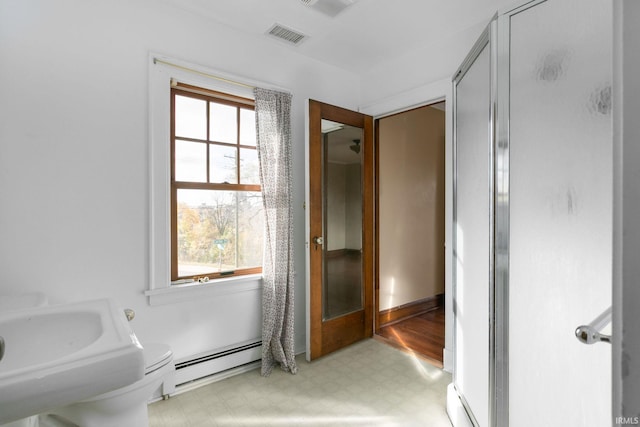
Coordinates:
(410, 229)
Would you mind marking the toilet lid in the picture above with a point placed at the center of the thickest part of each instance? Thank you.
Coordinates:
(156, 356)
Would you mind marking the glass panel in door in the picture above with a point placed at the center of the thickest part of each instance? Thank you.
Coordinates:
(342, 286)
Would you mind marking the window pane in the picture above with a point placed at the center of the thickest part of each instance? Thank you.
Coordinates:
(250, 229)
(218, 231)
(247, 127)
(222, 164)
(223, 123)
(249, 172)
(191, 117)
(191, 161)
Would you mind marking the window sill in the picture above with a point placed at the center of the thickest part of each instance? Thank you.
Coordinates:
(195, 291)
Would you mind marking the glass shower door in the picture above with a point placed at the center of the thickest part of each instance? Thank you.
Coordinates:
(560, 199)
(472, 234)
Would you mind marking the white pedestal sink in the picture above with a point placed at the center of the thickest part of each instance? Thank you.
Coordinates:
(60, 354)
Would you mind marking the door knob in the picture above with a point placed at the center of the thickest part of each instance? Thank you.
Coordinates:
(318, 240)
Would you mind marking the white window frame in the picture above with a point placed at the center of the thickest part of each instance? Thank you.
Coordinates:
(160, 290)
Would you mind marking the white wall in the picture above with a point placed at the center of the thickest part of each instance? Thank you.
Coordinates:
(431, 63)
(74, 185)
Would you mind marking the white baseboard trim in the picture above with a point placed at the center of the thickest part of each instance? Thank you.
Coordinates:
(447, 360)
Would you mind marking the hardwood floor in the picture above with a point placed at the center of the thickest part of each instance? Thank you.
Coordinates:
(422, 335)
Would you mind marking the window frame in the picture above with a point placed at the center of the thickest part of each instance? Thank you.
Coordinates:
(163, 72)
(209, 96)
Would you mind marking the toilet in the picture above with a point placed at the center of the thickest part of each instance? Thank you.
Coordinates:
(125, 406)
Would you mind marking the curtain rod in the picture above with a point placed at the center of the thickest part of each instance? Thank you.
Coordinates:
(211, 76)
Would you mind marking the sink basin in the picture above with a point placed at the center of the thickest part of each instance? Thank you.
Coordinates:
(58, 355)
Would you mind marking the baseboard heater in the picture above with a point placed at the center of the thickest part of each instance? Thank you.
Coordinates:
(215, 362)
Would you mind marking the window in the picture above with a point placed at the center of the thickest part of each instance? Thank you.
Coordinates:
(216, 203)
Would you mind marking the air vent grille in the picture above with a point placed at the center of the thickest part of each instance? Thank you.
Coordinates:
(331, 8)
(286, 34)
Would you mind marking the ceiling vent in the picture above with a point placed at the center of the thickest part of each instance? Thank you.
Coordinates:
(328, 7)
(286, 34)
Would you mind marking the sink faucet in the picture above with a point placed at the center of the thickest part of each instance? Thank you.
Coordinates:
(1, 348)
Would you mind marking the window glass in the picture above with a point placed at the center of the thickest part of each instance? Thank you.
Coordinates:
(223, 162)
(249, 167)
(218, 231)
(190, 117)
(191, 161)
(247, 127)
(223, 123)
(216, 203)
(250, 229)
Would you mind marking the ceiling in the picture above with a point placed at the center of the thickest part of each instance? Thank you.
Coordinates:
(340, 141)
(365, 34)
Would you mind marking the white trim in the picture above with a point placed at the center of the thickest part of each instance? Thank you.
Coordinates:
(213, 288)
(159, 287)
(410, 99)
(617, 285)
(209, 77)
(307, 233)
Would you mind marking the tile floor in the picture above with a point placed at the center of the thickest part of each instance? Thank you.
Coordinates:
(366, 384)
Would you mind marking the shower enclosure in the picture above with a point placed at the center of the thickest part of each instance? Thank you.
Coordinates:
(533, 216)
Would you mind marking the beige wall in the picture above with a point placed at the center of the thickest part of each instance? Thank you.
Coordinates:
(411, 214)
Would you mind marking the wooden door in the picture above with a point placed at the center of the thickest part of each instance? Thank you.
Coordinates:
(341, 228)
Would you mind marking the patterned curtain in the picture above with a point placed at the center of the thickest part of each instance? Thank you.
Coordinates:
(273, 127)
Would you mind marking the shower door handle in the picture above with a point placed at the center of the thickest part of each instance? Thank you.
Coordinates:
(590, 334)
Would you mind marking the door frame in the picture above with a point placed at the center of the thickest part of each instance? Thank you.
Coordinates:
(376, 314)
(315, 345)
(421, 96)
(626, 207)
(440, 90)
